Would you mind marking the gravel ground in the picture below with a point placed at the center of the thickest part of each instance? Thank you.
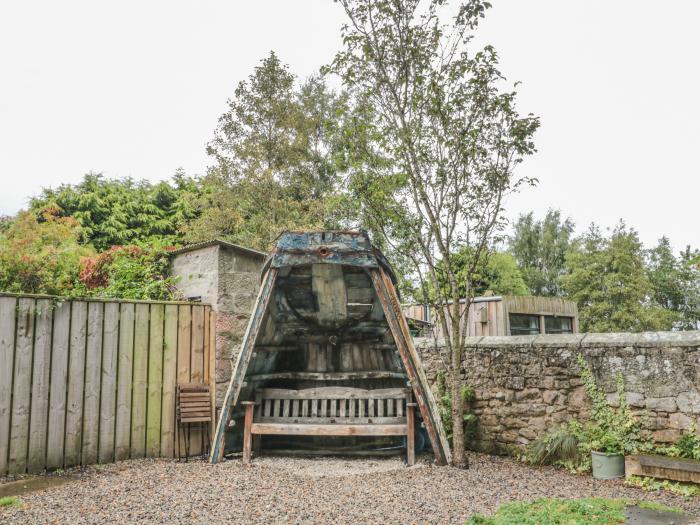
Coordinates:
(299, 490)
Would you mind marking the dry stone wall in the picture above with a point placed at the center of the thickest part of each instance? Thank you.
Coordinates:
(526, 385)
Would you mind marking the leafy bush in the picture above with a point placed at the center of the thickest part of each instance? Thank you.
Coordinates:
(611, 430)
(128, 272)
(687, 446)
(688, 490)
(40, 253)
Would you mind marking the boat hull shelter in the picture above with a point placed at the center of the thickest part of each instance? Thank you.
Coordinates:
(327, 363)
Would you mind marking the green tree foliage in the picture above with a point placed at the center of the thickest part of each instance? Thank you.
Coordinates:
(540, 247)
(274, 167)
(121, 211)
(608, 280)
(676, 283)
(434, 144)
(41, 254)
(498, 274)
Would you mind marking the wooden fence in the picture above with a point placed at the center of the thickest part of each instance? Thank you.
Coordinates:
(94, 381)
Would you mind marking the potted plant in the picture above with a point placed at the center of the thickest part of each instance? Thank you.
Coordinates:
(612, 432)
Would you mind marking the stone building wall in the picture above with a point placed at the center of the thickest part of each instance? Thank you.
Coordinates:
(227, 277)
(527, 385)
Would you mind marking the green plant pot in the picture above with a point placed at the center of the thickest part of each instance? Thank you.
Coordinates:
(607, 466)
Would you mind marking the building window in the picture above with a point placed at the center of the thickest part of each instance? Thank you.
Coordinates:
(558, 325)
(523, 324)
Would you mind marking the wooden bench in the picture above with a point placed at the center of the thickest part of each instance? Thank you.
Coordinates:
(330, 411)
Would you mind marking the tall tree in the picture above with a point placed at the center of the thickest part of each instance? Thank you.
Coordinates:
(676, 283)
(608, 280)
(436, 147)
(540, 247)
(273, 152)
(121, 211)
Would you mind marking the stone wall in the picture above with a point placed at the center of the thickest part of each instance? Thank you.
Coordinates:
(239, 281)
(227, 278)
(526, 385)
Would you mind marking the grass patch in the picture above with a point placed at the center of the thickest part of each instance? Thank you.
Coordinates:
(9, 501)
(588, 511)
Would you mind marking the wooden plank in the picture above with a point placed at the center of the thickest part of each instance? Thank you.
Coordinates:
(22, 384)
(76, 382)
(347, 420)
(59, 381)
(410, 436)
(210, 356)
(662, 467)
(140, 382)
(291, 429)
(155, 381)
(108, 394)
(329, 376)
(249, 339)
(328, 285)
(8, 313)
(334, 392)
(197, 371)
(167, 432)
(125, 370)
(184, 354)
(247, 436)
(411, 361)
(93, 376)
(36, 460)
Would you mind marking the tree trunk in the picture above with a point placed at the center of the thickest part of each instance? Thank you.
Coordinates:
(459, 458)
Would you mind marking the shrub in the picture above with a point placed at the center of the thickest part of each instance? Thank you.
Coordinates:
(687, 446)
(40, 253)
(445, 409)
(128, 272)
(611, 430)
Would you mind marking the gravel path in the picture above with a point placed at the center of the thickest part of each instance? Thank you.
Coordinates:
(298, 490)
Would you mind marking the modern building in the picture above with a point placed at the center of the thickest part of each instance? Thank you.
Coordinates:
(506, 315)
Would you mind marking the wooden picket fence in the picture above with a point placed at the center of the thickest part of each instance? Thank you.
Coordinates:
(94, 381)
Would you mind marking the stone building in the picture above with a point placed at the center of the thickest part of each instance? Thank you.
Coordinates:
(227, 277)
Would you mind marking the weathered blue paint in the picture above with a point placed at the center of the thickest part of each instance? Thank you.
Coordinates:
(300, 248)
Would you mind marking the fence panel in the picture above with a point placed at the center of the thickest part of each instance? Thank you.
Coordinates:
(89, 380)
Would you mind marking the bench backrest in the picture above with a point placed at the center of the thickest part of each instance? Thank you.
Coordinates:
(332, 405)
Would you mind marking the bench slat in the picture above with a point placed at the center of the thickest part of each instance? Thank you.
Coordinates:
(334, 392)
(328, 430)
(335, 420)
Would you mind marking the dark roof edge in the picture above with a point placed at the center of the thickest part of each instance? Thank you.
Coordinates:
(220, 242)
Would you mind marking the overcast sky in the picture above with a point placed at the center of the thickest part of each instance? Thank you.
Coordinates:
(135, 89)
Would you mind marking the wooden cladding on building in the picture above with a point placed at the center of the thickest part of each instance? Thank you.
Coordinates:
(94, 381)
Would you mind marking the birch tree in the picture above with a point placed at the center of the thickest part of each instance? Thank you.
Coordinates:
(435, 142)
